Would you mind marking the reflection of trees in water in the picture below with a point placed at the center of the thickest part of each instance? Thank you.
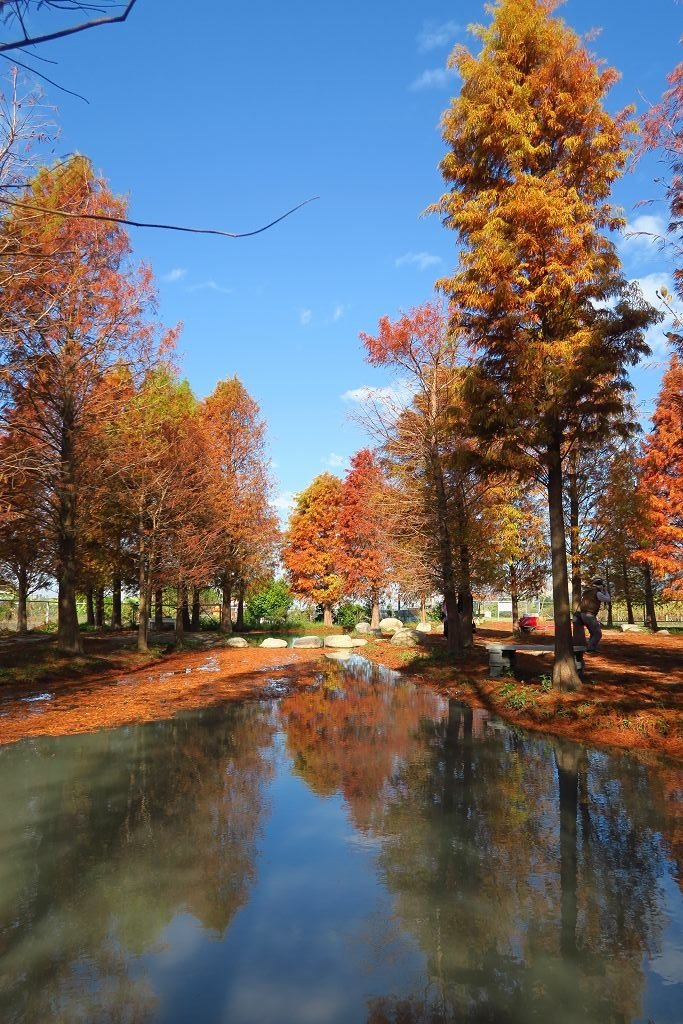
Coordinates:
(525, 908)
(349, 733)
(107, 838)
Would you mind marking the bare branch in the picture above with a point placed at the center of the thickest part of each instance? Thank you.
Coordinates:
(15, 11)
(160, 227)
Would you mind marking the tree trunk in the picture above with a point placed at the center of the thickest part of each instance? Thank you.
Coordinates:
(610, 613)
(423, 608)
(374, 617)
(158, 609)
(564, 667)
(578, 629)
(327, 615)
(143, 588)
(514, 598)
(90, 607)
(465, 600)
(187, 622)
(99, 607)
(180, 613)
(455, 645)
(627, 592)
(22, 598)
(68, 635)
(195, 609)
(226, 606)
(239, 624)
(650, 613)
(116, 622)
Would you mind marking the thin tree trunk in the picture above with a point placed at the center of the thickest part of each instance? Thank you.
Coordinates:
(22, 598)
(610, 613)
(627, 592)
(194, 622)
(90, 607)
(578, 629)
(116, 622)
(239, 623)
(143, 588)
(423, 609)
(68, 635)
(99, 607)
(514, 598)
(187, 622)
(374, 617)
(158, 609)
(465, 599)
(564, 667)
(180, 613)
(226, 606)
(455, 645)
(650, 613)
(327, 615)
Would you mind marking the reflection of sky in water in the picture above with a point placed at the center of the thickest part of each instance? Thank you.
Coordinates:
(359, 848)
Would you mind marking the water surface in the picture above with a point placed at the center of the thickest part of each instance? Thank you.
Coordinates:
(361, 851)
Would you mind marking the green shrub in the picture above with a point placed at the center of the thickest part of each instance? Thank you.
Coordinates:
(350, 613)
(271, 603)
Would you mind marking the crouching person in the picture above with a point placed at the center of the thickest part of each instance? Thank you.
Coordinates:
(591, 599)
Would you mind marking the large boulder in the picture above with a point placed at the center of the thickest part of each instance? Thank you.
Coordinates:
(363, 627)
(236, 641)
(271, 641)
(632, 627)
(424, 627)
(389, 626)
(339, 641)
(406, 638)
(307, 642)
(358, 641)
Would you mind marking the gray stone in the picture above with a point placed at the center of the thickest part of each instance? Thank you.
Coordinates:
(358, 641)
(270, 641)
(307, 642)
(363, 627)
(631, 627)
(389, 626)
(406, 638)
(340, 655)
(663, 632)
(236, 641)
(424, 627)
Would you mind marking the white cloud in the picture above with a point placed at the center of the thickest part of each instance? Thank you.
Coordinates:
(338, 312)
(305, 317)
(209, 285)
(177, 274)
(433, 35)
(391, 396)
(434, 78)
(418, 259)
(641, 229)
(285, 501)
(649, 285)
(334, 461)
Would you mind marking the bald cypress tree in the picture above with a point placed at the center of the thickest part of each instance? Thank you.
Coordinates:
(538, 289)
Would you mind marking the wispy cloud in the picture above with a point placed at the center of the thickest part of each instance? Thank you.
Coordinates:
(339, 311)
(177, 274)
(285, 501)
(305, 317)
(643, 233)
(434, 78)
(392, 396)
(432, 36)
(334, 461)
(210, 285)
(422, 260)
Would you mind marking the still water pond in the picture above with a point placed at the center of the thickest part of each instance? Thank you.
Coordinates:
(361, 851)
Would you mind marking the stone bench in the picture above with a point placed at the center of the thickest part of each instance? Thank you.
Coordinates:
(502, 656)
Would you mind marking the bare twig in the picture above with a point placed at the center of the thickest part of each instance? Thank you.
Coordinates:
(61, 33)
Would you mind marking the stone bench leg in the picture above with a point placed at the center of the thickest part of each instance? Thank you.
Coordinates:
(499, 661)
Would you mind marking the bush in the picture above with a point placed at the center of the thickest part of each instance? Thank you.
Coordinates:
(271, 603)
(350, 613)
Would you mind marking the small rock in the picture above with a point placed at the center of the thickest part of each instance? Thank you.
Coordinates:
(406, 638)
(271, 641)
(390, 625)
(631, 627)
(307, 642)
(424, 627)
(339, 641)
(363, 627)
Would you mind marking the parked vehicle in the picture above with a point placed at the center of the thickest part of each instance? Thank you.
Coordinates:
(528, 623)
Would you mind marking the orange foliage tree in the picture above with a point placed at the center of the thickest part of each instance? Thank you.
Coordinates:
(539, 291)
(661, 486)
(312, 550)
(365, 560)
(71, 308)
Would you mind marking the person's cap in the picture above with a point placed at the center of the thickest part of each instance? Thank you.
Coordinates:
(599, 580)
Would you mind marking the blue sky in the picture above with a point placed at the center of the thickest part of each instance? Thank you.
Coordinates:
(229, 118)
